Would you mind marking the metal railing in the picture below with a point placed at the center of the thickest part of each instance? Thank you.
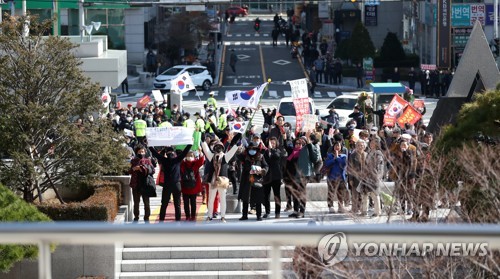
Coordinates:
(43, 234)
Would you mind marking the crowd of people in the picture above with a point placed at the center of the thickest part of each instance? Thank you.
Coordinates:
(355, 163)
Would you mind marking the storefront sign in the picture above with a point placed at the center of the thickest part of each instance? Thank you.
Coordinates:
(371, 16)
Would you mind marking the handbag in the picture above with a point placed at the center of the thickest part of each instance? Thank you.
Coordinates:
(219, 181)
(149, 189)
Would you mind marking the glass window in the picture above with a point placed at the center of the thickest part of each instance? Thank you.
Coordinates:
(116, 37)
(116, 16)
(343, 103)
(288, 109)
(96, 15)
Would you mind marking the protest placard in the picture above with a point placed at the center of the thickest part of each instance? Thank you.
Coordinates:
(167, 136)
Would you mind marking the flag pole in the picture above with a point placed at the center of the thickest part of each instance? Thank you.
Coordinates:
(260, 99)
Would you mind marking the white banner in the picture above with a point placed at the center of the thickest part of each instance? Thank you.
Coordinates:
(309, 122)
(157, 95)
(299, 88)
(167, 136)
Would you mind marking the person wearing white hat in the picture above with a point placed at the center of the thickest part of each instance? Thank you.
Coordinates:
(211, 100)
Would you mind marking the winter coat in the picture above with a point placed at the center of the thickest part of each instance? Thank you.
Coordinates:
(274, 159)
(137, 179)
(356, 167)
(171, 167)
(246, 183)
(374, 171)
(195, 165)
(307, 157)
(337, 166)
(226, 157)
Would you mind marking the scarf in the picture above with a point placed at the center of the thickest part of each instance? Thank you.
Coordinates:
(295, 153)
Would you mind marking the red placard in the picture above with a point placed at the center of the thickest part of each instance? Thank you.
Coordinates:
(410, 115)
(418, 103)
(143, 102)
(301, 107)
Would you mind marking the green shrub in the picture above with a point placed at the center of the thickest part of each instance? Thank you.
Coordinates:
(102, 204)
(14, 209)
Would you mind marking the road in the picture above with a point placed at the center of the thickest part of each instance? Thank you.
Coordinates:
(258, 60)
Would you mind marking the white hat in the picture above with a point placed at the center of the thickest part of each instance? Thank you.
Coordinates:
(211, 93)
(406, 136)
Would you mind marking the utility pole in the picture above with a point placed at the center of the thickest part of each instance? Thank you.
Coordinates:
(81, 19)
(495, 19)
(55, 9)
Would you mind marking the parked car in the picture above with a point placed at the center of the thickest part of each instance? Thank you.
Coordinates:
(199, 74)
(237, 11)
(344, 105)
(287, 109)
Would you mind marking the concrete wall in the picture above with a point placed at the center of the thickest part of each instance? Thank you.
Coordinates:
(71, 261)
(134, 32)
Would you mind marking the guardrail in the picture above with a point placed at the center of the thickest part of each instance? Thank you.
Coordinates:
(228, 234)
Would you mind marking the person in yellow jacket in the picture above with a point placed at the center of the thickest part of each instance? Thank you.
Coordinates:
(188, 122)
(210, 118)
(140, 128)
(211, 102)
(222, 119)
(165, 124)
(199, 124)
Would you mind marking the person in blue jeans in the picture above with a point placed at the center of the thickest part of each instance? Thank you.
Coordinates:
(336, 163)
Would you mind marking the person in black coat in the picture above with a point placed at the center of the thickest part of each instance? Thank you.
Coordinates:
(272, 180)
(171, 166)
(269, 116)
(253, 170)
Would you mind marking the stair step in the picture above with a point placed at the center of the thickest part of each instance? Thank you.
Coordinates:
(144, 253)
(200, 265)
(204, 274)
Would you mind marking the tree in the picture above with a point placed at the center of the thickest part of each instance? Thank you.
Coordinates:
(392, 50)
(42, 93)
(480, 117)
(182, 31)
(361, 44)
(13, 209)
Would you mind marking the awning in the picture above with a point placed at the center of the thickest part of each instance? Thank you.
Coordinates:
(387, 88)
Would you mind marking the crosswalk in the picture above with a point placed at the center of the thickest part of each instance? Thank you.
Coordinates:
(254, 43)
(247, 35)
(220, 94)
(272, 94)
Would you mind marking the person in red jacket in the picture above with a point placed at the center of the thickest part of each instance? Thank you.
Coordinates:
(191, 183)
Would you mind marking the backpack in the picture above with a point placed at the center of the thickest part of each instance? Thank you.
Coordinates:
(188, 178)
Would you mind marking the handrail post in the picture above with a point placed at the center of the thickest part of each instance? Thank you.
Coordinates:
(44, 260)
(275, 263)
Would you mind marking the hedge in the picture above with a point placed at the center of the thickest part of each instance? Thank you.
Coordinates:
(15, 209)
(102, 205)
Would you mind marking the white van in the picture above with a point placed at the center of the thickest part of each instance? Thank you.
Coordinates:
(287, 110)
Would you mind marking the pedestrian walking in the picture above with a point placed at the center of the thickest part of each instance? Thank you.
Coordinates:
(232, 60)
(272, 179)
(140, 168)
(125, 86)
(191, 183)
(170, 163)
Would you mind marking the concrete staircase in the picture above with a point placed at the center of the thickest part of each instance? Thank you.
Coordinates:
(201, 262)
